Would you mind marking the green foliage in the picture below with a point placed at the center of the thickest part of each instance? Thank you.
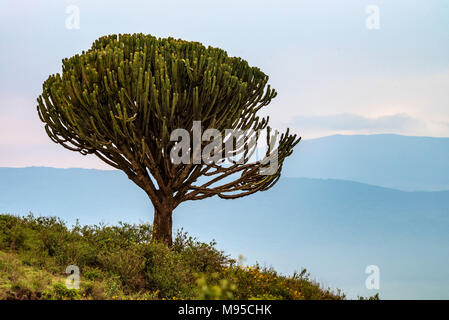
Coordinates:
(254, 282)
(123, 262)
(167, 273)
(61, 292)
(136, 89)
(221, 290)
(202, 257)
(374, 297)
(92, 273)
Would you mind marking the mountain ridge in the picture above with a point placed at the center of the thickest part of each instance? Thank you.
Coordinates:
(393, 161)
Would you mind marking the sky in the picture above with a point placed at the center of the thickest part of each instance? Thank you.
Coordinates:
(338, 66)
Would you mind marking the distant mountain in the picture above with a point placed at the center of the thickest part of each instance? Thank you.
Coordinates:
(394, 161)
(334, 228)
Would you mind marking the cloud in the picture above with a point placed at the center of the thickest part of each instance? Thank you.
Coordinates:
(353, 122)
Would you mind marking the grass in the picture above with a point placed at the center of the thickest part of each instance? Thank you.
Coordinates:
(123, 262)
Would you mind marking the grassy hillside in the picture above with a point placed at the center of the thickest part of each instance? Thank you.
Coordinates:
(122, 262)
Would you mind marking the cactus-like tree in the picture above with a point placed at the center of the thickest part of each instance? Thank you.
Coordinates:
(122, 99)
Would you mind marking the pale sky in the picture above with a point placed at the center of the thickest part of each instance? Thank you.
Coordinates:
(332, 73)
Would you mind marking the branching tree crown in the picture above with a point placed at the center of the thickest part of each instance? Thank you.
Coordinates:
(122, 99)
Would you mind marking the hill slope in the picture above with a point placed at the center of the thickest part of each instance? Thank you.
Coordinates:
(123, 262)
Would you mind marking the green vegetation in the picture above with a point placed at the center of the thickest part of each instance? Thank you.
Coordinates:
(123, 262)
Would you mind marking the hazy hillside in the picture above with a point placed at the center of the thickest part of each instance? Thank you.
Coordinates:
(401, 162)
(334, 228)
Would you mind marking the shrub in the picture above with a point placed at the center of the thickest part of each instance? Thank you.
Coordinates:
(127, 264)
(92, 273)
(221, 290)
(61, 292)
(92, 290)
(123, 262)
(166, 272)
(201, 257)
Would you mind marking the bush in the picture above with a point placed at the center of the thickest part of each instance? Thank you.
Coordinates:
(127, 264)
(167, 272)
(221, 290)
(201, 257)
(61, 292)
(123, 262)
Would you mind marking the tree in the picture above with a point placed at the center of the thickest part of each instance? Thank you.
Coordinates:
(123, 99)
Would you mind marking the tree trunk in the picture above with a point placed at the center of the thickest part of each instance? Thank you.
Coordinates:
(162, 226)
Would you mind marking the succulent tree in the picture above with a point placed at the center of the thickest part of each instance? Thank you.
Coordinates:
(123, 100)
